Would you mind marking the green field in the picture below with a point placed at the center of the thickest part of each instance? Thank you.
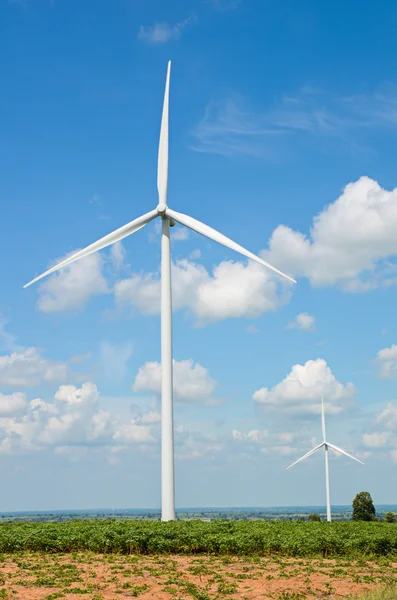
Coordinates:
(297, 539)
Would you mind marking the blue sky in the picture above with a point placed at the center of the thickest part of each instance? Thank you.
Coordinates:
(283, 122)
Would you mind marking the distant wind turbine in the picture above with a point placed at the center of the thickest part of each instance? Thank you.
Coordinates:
(324, 444)
(168, 217)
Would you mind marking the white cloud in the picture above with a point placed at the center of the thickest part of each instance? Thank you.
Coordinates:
(300, 392)
(376, 440)
(237, 290)
(387, 362)
(117, 254)
(228, 128)
(74, 418)
(254, 435)
(231, 127)
(388, 417)
(350, 241)
(234, 290)
(162, 32)
(195, 254)
(150, 418)
(29, 369)
(73, 396)
(192, 382)
(7, 339)
(72, 287)
(132, 432)
(393, 454)
(264, 441)
(12, 403)
(180, 234)
(286, 437)
(304, 322)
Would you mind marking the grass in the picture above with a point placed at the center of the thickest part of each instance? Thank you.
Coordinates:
(388, 592)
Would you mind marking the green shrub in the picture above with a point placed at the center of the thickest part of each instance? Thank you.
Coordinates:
(289, 538)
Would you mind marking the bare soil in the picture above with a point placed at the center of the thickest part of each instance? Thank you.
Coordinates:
(113, 577)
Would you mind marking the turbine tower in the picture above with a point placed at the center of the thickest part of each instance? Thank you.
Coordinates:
(324, 444)
(169, 217)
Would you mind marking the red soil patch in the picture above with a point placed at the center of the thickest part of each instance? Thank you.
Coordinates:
(40, 577)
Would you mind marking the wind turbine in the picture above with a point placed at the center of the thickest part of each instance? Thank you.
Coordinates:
(324, 444)
(168, 217)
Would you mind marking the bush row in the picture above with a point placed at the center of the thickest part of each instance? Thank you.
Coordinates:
(195, 537)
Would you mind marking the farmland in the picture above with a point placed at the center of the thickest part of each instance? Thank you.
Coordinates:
(45, 576)
(236, 560)
(293, 539)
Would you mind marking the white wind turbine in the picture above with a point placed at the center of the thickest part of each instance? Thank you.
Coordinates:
(324, 444)
(168, 217)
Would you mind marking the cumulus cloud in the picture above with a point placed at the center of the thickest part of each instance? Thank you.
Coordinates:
(28, 369)
(303, 322)
(117, 254)
(132, 432)
(73, 418)
(235, 289)
(300, 392)
(73, 396)
(388, 417)
(150, 418)
(386, 359)
(162, 32)
(264, 441)
(192, 382)
(351, 242)
(72, 287)
(180, 234)
(254, 435)
(381, 440)
(12, 403)
(7, 339)
(376, 440)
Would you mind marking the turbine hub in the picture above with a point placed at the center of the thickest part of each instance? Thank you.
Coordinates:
(161, 208)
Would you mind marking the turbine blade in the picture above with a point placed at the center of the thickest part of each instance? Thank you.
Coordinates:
(323, 417)
(113, 237)
(312, 451)
(343, 452)
(214, 235)
(162, 165)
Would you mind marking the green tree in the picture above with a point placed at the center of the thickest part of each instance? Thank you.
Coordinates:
(363, 507)
(314, 517)
(390, 517)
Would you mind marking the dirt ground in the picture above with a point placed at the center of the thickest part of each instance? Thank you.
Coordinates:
(112, 577)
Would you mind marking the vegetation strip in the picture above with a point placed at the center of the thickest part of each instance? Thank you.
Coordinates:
(295, 539)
